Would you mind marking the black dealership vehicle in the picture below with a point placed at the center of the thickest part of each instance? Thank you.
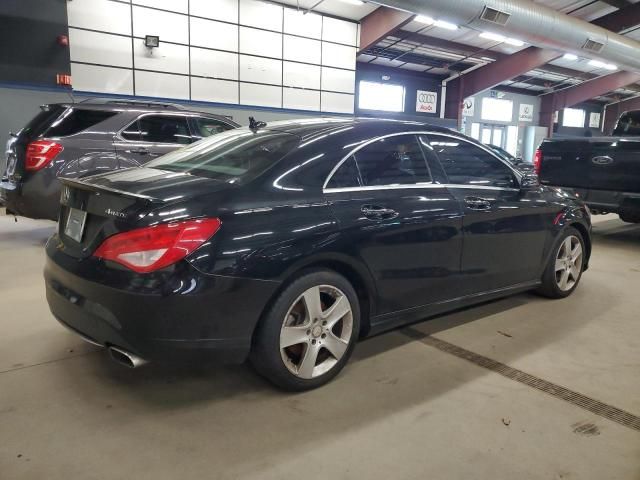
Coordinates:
(285, 243)
(603, 171)
(75, 140)
(518, 163)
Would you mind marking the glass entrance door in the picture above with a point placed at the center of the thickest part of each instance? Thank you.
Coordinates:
(493, 135)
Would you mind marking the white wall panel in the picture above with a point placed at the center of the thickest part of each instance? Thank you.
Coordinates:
(301, 75)
(91, 78)
(261, 14)
(171, 27)
(306, 25)
(337, 102)
(259, 42)
(93, 47)
(213, 63)
(225, 10)
(209, 90)
(100, 15)
(181, 6)
(165, 85)
(211, 34)
(298, 99)
(338, 80)
(338, 56)
(165, 58)
(334, 30)
(261, 70)
(302, 49)
(261, 95)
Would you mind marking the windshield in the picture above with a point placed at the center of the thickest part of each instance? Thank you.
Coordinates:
(236, 156)
(628, 125)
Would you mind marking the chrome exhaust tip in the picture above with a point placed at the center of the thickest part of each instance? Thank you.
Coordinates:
(125, 358)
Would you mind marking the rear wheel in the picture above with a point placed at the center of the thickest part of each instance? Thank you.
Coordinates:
(309, 333)
(563, 273)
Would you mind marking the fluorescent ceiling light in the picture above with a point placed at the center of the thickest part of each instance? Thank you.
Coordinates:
(603, 65)
(353, 2)
(424, 19)
(445, 25)
(570, 56)
(502, 39)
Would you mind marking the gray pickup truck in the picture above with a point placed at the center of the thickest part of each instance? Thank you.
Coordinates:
(603, 171)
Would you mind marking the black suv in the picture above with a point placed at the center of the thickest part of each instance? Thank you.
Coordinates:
(75, 140)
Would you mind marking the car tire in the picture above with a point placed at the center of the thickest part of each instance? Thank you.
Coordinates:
(566, 265)
(308, 334)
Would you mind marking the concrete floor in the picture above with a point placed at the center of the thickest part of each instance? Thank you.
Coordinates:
(402, 409)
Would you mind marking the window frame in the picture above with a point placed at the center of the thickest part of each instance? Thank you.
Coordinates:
(167, 114)
(517, 175)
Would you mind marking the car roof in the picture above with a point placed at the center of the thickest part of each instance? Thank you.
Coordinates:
(309, 128)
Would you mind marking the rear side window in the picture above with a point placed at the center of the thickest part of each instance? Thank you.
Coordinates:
(205, 127)
(159, 129)
(42, 120)
(346, 176)
(628, 125)
(235, 156)
(76, 120)
(467, 164)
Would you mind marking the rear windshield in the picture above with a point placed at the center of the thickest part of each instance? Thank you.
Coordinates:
(235, 156)
(76, 120)
(42, 120)
(628, 125)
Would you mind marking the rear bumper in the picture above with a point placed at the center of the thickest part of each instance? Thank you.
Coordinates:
(170, 317)
(37, 197)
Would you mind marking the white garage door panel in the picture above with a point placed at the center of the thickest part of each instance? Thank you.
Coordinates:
(302, 49)
(259, 42)
(181, 6)
(93, 47)
(171, 27)
(211, 34)
(100, 15)
(208, 90)
(307, 25)
(338, 80)
(166, 58)
(225, 10)
(338, 56)
(213, 63)
(301, 99)
(91, 78)
(301, 75)
(261, 15)
(260, 95)
(164, 85)
(334, 30)
(261, 70)
(337, 102)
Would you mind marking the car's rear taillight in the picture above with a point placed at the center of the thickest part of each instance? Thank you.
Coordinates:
(537, 161)
(148, 249)
(40, 153)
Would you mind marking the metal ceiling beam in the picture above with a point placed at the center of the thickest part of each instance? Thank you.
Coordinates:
(571, 96)
(381, 23)
(613, 111)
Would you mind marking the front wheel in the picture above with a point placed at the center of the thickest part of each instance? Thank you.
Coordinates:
(563, 273)
(309, 333)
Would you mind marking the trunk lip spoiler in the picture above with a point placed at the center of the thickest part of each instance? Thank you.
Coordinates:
(88, 186)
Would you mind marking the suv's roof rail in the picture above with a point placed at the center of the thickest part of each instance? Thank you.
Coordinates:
(140, 103)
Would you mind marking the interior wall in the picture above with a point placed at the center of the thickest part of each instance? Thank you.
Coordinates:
(561, 131)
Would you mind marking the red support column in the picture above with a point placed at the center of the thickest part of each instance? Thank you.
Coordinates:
(381, 23)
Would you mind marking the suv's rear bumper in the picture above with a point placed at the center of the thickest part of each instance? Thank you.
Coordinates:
(37, 197)
(179, 315)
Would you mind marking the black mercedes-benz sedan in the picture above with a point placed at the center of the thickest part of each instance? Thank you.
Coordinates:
(285, 243)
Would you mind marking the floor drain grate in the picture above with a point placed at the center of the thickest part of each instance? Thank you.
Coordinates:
(594, 406)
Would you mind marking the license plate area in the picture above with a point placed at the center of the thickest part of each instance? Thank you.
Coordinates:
(74, 226)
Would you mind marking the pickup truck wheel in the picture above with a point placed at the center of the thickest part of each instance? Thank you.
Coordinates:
(309, 333)
(563, 273)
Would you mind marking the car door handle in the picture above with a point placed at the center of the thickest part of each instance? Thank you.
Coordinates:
(140, 151)
(375, 212)
(477, 203)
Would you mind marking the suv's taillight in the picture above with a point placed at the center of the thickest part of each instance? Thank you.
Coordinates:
(40, 153)
(537, 161)
(151, 248)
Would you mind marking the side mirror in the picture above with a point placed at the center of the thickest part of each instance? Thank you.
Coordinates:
(529, 181)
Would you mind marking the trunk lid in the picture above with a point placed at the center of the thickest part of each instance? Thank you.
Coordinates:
(122, 200)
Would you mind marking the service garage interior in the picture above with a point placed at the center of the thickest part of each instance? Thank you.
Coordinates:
(502, 383)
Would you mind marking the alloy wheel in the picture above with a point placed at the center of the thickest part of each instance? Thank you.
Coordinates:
(568, 263)
(316, 331)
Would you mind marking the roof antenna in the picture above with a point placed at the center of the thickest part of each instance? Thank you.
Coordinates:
(254, 124)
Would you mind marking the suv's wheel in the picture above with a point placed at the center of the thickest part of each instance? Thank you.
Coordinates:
(563, 273)
(307, 336)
